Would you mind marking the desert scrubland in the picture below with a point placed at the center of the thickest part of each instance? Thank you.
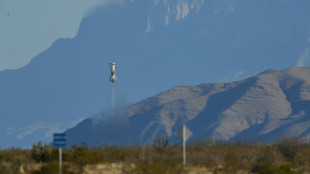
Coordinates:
(289, 155)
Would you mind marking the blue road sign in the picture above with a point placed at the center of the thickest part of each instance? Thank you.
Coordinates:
(60, 140)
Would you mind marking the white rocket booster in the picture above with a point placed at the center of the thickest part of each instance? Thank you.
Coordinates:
(113, 77)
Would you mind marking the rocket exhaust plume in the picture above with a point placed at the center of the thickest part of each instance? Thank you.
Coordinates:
(113, 97)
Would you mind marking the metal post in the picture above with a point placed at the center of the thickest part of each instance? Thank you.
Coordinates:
(60, 156)
(184, 146)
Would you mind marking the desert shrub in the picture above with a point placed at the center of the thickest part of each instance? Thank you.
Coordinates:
(12, 159)
(303, 158)
(10, 154)
(290, 147)
(159, 166)
(265, 168)
(80, 156)
(236, 157)
(202, 157)
(1, 157)
(17, 162)
(201, 152)
(162, 157)
(135, 154)
(161, 143)
(4, 168)
(114, 154)
(202, 143)
(268, 154)
(41, 153)
(52, 168)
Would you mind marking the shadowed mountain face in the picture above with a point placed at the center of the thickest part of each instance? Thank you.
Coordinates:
(266, 106)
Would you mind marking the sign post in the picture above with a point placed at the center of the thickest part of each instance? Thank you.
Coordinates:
(184, 133)
(60, 141)
(60, 159)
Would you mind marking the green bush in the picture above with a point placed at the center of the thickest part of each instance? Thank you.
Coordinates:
(41, 153)
(264, 168)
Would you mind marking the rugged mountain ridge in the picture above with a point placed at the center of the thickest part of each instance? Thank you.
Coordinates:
(265, 106)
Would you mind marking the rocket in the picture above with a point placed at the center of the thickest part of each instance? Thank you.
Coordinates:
(113, 77)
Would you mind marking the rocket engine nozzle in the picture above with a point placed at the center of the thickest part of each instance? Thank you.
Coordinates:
(113, 78)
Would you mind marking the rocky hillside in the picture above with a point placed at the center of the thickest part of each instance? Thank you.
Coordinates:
(266, 106)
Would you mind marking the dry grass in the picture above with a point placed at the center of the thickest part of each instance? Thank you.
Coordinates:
(203, 156)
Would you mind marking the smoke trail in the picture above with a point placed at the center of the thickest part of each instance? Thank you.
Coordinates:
(113, 97)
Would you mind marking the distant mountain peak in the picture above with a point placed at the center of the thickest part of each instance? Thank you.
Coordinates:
(164, 12)
(265, 106)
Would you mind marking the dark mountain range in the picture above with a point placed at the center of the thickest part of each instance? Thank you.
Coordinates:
(265, 107)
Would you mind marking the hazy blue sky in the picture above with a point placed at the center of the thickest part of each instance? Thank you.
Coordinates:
(30, 27)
